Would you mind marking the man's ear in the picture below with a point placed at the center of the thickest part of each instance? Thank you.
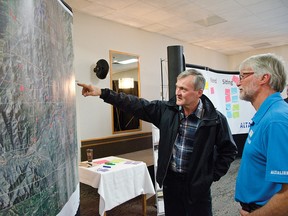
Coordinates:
(265, 78)
(200, 92)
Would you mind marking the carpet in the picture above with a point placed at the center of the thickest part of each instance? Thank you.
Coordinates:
(89, 204)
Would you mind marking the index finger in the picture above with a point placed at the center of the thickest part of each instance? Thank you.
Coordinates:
(82, 85)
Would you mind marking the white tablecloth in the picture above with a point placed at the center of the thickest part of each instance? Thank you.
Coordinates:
(119, 182)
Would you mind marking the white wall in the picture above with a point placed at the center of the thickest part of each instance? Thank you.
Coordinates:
(235, 60)
(93, 38)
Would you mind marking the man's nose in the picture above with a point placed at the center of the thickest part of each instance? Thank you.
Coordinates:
(238, 83)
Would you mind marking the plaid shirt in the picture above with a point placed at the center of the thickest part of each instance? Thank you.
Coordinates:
(183, 146)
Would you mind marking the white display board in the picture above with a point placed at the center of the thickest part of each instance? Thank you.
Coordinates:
(222, 90)
(158, 189)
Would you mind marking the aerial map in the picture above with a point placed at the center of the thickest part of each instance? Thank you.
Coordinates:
(38, 141)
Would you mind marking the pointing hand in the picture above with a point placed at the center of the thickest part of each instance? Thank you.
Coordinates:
(89, 90)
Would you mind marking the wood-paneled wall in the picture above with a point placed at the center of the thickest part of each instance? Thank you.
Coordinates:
(116, 145)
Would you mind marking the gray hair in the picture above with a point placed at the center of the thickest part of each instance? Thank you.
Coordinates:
(268, 63)
(199, 81)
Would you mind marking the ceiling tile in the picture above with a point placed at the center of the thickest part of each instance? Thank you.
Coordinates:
(248, 22)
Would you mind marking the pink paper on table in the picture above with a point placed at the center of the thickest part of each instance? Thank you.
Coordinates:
(100, 161)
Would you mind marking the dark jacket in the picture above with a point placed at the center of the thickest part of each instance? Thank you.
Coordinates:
(214, 147)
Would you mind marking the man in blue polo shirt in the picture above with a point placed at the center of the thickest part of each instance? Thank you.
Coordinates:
(262, 182)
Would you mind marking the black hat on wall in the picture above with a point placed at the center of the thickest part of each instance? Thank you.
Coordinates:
(101, 69)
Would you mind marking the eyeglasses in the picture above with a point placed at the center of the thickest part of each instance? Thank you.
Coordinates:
(245, 75)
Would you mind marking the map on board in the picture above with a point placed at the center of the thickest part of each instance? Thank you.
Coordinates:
(38, 142)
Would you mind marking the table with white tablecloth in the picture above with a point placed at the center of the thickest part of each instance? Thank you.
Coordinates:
(117, 179)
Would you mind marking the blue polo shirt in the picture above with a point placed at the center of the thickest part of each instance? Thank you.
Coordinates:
(264, 163)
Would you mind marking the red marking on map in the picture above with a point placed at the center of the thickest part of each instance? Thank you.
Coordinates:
(20, 66)
(22, 88)
(12, 15)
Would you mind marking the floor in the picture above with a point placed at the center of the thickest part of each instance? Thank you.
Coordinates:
(223, 193)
